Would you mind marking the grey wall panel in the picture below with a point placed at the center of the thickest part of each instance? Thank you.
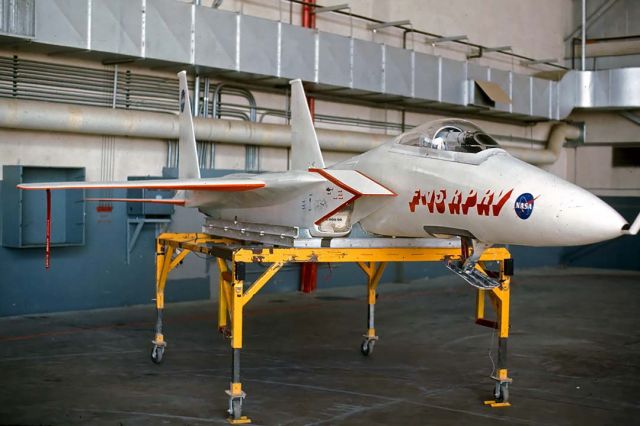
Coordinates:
(541, 92)
(617, 21)
(624, 88)
(398, 73)
(297, 56)
(601, 85)
(168, 31)
(62, 22)
(17, 17)
(453, 81)
(427, 77)
(258, 46)
(477, 72)
(502, 79)
(554, 109)
(367, 65)
(116, 26)
(567, 91)
(215, 38)
(334, 60)
(522, 94)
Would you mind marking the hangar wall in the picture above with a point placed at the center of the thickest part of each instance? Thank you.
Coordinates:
(108, 281)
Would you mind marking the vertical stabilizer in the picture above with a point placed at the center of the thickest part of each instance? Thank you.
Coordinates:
(305, 149)
(188, 165)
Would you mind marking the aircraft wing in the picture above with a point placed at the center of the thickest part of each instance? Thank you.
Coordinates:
(215, 184)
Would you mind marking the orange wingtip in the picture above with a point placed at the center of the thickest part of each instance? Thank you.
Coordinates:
(138, 200)
(231, 187)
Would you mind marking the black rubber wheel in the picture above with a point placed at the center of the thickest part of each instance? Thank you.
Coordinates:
(157, 354)
(496, 391)
(366, 348)
(236, 405)
(501, 392)
(504, 392)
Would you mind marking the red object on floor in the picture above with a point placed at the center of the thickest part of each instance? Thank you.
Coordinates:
(308, 277)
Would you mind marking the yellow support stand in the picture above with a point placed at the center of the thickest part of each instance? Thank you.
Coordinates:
(232, 256)
(499, 297)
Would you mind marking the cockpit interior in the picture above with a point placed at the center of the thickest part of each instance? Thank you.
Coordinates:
(449, 135)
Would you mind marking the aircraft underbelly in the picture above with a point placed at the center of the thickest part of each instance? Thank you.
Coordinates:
(305, 207)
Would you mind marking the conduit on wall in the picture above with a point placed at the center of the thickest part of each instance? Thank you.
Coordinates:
(54, 117)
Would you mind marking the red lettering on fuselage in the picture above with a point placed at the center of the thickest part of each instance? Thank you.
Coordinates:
(414, 202)
(436, 202)
(498, 206)
(485, 203)
(440, 200)
(454, 205)
(472, 199)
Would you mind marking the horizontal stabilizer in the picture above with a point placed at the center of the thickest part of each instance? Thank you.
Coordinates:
(222, 185)
(355, 182)
(139, 200)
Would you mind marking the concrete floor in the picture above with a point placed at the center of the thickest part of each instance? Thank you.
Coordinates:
(574, 357)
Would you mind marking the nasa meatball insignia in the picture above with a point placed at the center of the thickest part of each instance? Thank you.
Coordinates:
(524, 205)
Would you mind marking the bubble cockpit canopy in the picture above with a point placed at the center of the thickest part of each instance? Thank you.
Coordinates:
(449, 135)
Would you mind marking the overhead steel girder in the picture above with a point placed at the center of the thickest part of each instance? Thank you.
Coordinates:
(174, 33)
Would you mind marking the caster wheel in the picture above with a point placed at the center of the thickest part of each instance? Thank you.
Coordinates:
(367, 347)
(501, 392)
(157, 354)
(236, 408)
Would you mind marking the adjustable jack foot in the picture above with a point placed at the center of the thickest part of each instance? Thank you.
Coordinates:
(157, 351)
(500, 393)
(236, 397)
(366, 348)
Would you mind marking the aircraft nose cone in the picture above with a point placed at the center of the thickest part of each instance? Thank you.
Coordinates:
(584, 219)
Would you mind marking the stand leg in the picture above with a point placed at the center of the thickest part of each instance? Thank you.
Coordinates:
(500, 296)
(163, 262)
(235, 392)
(374, 273)
(223, 298)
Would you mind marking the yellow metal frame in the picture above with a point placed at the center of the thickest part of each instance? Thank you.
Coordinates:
(234, 294)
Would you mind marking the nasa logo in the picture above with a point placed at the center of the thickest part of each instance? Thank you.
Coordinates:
(524, 205)
(182, 96)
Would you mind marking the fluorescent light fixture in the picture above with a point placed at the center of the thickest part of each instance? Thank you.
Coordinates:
(374, 27)
(332, 8)
(437, 40)
(539, 61)
(497, 49)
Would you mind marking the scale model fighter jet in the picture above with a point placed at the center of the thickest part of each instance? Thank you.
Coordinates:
(444, 179)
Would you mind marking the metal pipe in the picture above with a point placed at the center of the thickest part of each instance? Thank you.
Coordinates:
(55, 117)
(235, 91)
(584, 34)
(115, 86)
(196, 97)
(205, 99)
(557, 136)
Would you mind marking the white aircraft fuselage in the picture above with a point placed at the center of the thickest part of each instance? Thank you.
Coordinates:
(489, 196)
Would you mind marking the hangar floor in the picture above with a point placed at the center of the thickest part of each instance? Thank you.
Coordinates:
(574, 357)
